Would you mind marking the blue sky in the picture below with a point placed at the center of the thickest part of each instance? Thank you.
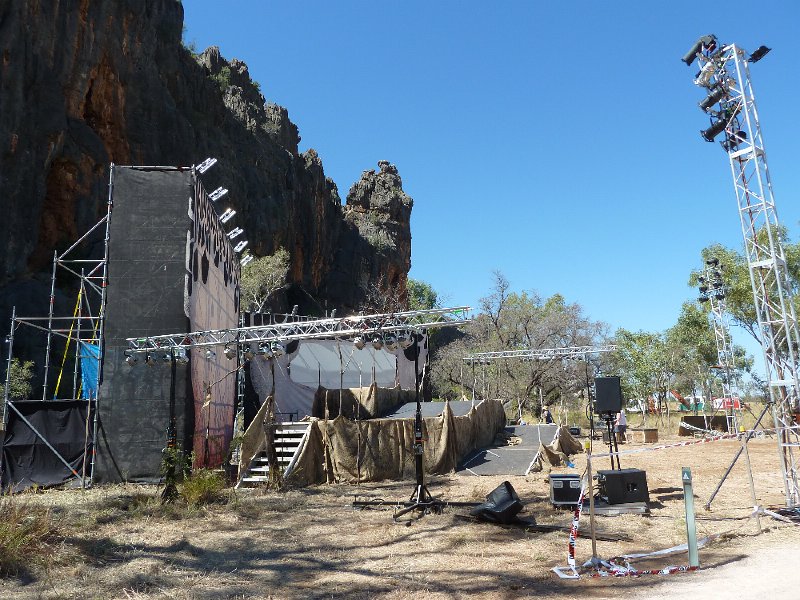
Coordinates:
(555, 141)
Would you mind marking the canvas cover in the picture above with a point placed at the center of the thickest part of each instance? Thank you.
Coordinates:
(343, 451)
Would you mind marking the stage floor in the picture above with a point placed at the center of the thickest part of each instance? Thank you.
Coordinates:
(430, 409)
(509, 460)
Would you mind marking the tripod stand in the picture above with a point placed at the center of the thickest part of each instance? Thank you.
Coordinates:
(613, 449)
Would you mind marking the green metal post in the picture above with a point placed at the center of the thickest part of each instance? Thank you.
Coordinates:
(691, 530)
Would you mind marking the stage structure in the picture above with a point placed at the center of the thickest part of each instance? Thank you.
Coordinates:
(167, 263)
(730, 103)
(712, 290)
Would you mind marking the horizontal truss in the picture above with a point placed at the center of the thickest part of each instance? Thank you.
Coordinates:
(539, 354)
(416, 321)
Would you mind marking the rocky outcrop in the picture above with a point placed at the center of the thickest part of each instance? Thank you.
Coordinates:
(85, 84)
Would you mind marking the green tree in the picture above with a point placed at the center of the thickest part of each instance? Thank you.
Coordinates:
(19, 380)
(262, 278)
(421, 296)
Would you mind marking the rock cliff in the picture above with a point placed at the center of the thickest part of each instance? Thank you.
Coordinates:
(84, 84)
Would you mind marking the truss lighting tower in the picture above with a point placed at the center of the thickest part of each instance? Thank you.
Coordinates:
(725, 75)
(712, 290)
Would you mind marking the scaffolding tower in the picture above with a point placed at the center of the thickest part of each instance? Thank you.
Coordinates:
(725, 74)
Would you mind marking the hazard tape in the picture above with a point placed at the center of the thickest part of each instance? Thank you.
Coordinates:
(571, 571)
(612, 569)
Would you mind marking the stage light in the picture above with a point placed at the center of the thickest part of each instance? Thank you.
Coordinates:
(230, 351)
(262, 348)
(149, 360)
(217, 194)
(240, 246)
(404, 340)
(206, 164)
(130, 358)
(248, 352)
(712, 262)
(377, 342)
(167, 358)
(707, 42)
(717, 94)
(734, 139)
(210, 353)
(227, 215)
(703, 299)
(713, 131)
(180, 355)
(235, 232)
(277, 349)
(359, 342)
(390, 341)
(758, 54)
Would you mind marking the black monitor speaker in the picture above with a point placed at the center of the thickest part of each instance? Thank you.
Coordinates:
(608, 395)
(501, 506)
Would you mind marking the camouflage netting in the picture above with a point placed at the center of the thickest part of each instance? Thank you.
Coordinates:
(359, 403)
(345, 451)
(556, 453)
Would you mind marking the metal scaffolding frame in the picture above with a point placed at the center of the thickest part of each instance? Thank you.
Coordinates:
(725, 73)
(85, 326)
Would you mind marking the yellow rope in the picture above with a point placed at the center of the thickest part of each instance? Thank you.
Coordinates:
(69, 339)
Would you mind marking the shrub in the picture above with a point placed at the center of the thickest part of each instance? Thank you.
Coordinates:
(203, 486)
(28, 536)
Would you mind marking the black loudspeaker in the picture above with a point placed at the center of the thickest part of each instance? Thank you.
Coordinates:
(623, 486)
(608, 395)
(565, 490)
(501, 505)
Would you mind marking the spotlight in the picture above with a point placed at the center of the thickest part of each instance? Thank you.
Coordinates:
(227, 215)
(707, 42)
(248, 352)
(262, 348)
(703, 289)
(130, 358)
(230, 351)
(390, 341)
(359, 342)
(404, 340)
(719, 294)
(759, 53)
(180, 355)
(149, 360)
(713, 131)
(717, 94)
(712, 262)
(703, 299)
(734, 139)
(167, 358)
(206, 164)
(217, 194)
(277, 349)
(377, 342)
(210, 353)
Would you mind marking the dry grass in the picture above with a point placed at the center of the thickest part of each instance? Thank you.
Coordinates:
(28, 536)
(311, 543)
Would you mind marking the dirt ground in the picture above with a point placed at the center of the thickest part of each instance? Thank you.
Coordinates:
(311, 543)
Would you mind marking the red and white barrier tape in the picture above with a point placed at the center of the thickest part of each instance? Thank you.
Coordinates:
(571, 571)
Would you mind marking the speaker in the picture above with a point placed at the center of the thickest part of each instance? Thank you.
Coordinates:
(565, 490)
(608, 395)
(623, 486)
(501, 505)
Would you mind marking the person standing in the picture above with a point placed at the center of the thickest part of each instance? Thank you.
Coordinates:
(620, 426)
(547, 416)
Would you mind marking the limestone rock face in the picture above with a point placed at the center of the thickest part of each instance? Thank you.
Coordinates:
(83, 85)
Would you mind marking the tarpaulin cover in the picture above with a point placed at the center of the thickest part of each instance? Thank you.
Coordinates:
(90, 364)
(359, 403)
(345, 451)
(558, 452)
(27, 461)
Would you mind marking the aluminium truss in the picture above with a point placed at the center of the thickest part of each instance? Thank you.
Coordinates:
(538, 354)
(725, 73)
(351, 326)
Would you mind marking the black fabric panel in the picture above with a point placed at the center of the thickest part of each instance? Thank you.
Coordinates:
(145, 296)
(27, 461)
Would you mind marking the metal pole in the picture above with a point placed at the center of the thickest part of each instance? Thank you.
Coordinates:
(756, 507)
(77, 340)
(50, 325)
(691, 529)
(6, 391)
(588, 448)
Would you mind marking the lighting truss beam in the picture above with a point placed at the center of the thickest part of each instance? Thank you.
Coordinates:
(539, 354)
(311, 329)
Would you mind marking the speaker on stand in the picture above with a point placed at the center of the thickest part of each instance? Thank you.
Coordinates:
(607, 403)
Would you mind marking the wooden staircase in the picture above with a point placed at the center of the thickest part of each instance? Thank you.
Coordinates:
(289, 438)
